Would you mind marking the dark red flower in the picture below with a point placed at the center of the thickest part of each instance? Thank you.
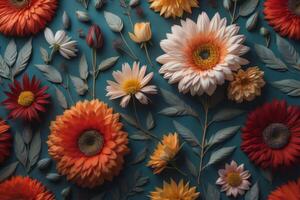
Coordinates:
(5, 141)
(26, 100)
(94, 37)
(271, 136)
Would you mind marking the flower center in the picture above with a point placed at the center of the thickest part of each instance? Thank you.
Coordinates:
(276, 135)
(294, 6)
(206, 56)
(234, 179)
(20, 3)
(131, 86)
(90, 142)
(26, 98)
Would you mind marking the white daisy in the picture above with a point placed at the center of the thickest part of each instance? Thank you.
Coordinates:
(61, 42)
(131, 83)
(199, 56)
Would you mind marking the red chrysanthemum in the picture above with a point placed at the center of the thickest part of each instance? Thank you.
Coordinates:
(5, 141)
(25, 17)
(271, 136)
(26, 100)
(24, 188)
(289, 191)
(284, 16)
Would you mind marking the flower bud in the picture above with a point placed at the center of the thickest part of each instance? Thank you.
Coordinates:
(66, 21)
(142, 32)
(82, 16)
(264, 32)
(94, 37)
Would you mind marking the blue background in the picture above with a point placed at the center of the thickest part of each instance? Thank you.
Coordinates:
(160, 26)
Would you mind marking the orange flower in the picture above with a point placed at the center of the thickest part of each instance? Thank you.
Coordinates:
(88, 143)
(289, 191)
(25, 17)
(5, 141)
(24, 188)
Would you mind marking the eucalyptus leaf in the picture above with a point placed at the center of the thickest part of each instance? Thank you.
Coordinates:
(20, 149)
(66, 192)
(83, 68)
(139, 137)
(27, 134)
(8, 171)
(191, 167)
(186, 134)
(140, 157)
(10, 54)
(54, 177)
(45, 55)
(62, 101)
(130, 120)
(176, 111)
(4, 69)
(114, 22)
(227, 114)
(212, 193)
(23, 58)
(222, 135)
(51, 74)
(253, 193)
(35, 148)
(219, 155)
(269, 58)
(290, 87)
(107, 63)
(80, 86)
(150, 121)
(251, 22)
(248, 7)
(44, 163)
(289, 53)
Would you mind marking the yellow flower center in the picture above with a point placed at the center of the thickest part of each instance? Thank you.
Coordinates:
(26, 98)
(131, 86)
(206, 56)
(234, 179)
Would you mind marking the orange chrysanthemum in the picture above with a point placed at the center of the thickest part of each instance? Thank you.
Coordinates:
(88, 143)
(25, 17)
(5, 141)
(24, 188)
(289, 191)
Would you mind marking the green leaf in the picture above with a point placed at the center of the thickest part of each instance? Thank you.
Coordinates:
(45, 55)
(44, 163)
(20, 149)
(83, 68)
(191, 167)
(251, 22)
(54, 177)
(226, 114)
(289, 53)
(141, 156)
(130, 120)
(85, 3)
(114, 22)
(139, 136)
(4, 69)
(269, 58)
(290, 87)
(222, 135)
(219, 155)
(10, 54)
(107, 63)
(212, 193)
(150, 121)
(51, 74)
(186, 134)
(8, 171)
(27, 134)
(81, 87)
(248, 7)
(177, 111)
(62, 101)
(23, 58)
(66, 192)
(35, 149)
(253, 193)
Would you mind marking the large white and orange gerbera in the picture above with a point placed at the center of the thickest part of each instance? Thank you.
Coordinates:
(201, 55)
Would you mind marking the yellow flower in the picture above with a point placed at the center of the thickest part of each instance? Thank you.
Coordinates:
(142, 32)
(173, 8)
(246, 85)
(165, 151)
(174, 191)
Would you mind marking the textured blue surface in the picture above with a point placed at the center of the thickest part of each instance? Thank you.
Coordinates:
(160, 27)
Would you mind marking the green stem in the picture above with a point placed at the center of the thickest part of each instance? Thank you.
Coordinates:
(51, 56)
(234, 18)
(94, 55)
(147, 53)
(268, 39)
(173, 166)
(127, 45)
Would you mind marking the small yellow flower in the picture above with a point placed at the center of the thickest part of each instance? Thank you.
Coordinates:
(142, 32)
(174, 191)
(246, 85)
(165, 152)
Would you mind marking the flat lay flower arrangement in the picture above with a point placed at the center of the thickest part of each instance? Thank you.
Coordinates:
(157, 99)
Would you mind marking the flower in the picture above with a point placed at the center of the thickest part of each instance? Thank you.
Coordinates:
(5, 141)
(24, 188)
(199, 56)
(234, 179)
(284, 17)
(26, 100)
(142, 32)
(175, 191)
(61, 42)
(173, 8)
(271, 136)
(165, 152)
(289, 191)
(25, 17)
(94, 37)
(131, 83)
(88, 143)
(246, 85)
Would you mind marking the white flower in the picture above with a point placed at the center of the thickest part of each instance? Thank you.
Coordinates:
(234, 179)
(61, 42)
(131, 83)
(199, 56)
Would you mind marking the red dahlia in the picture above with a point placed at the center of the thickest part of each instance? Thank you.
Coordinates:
(26, 100)
(271, 136)
(288, 191)
(5, 141)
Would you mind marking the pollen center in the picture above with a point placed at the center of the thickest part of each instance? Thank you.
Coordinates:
(131, 86)
(90, 142)
(206, 56)
(26, 98)
(234, 179)
(276, 135)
